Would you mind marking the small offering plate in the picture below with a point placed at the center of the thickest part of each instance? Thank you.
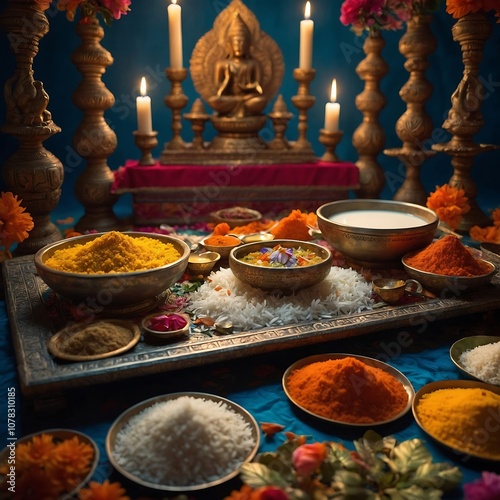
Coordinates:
(467, 344)
(368, 361)
(55, 343)
(127, 415)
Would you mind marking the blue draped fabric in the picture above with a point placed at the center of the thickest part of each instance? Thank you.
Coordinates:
(422, 354)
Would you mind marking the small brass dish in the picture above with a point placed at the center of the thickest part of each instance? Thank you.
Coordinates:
(168, 335)
(392, 290)
(203, 262)
(224, 250)
(236, 216)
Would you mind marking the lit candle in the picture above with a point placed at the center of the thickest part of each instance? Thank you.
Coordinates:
(332, 110)
(143, 103)
(175, 34)
(306, 39)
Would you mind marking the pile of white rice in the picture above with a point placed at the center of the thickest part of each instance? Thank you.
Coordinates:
(184, 442)
(225, 297)
(483, 362)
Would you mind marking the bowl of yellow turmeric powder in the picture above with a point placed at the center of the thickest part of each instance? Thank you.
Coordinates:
(112, 269)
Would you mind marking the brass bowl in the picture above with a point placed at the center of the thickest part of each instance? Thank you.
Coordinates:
(454, 285)
(468, 344)
(391, 290)
(372, 246)
(165, 335)
(223, 216)
(203, 262)
(280, 280)
(223, 251)
(112, 289)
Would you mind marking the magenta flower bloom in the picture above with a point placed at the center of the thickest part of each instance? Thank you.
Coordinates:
(117, 7)
(167, 322)
(486, 487)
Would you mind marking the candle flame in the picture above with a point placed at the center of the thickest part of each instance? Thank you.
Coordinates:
(143, 86)
(174, 1)
(307, 10)
(333, 93)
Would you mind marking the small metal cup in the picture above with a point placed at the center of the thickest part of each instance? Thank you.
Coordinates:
(391, 290)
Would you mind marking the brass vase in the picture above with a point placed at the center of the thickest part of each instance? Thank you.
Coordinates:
(31, 172)
(369, 137)
(415, 125)
(464, 118)
(94, 140)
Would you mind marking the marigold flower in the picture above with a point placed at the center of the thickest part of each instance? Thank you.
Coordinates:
(489, 234)
(35, 452)
(104, 491)
(14, 221)
(308, 457)
(449, 203)
(460, 8)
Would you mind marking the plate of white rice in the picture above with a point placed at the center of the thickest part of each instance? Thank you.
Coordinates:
(182, 441)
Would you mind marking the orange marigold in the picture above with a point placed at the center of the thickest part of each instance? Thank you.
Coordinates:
(460, 8)
(34, 452)
(293, 227)
(490, 234)
(449, 203)
(496, 217)
(104, 491)
(14, 221)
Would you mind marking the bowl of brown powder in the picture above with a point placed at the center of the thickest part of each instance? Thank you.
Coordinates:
(94, 340)
(113, 269)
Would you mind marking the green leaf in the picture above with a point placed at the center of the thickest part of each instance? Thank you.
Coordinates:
(258, 475)
(408, 456)
(440, 476)
(413, 492)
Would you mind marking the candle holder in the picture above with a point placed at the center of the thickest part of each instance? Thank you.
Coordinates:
(146, 142)
(176, 100)
(330, 140)
(303, 101)
(198, 117)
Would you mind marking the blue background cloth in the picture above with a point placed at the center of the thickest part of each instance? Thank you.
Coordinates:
(139, 45)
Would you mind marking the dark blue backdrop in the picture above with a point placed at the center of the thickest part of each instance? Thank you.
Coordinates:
(139, 45)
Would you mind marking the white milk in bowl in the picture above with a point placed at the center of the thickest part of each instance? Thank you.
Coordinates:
(377, 219)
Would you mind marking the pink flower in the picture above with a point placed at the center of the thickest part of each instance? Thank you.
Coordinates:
(484, 488)
(271, 493)
(308, 457)
(117, 7)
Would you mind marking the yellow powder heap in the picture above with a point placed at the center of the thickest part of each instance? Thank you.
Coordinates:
(463, 418)
(114, 252)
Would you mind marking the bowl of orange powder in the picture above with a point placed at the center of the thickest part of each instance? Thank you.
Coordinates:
(348, 389)
(222, 244)
(447, 265)
(114, 269)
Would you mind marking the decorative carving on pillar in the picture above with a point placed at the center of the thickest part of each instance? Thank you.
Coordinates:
(464, 118)
(369, 137)
(31, 172)
(414, 125)
(94, 139)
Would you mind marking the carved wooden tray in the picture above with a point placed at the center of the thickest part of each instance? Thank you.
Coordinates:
(33, 321)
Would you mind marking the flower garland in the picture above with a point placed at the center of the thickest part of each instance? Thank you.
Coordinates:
(15, 222)
(460, 8)
(108, 9)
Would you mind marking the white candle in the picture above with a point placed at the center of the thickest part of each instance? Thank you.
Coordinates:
(175, 34)
(143, 103)
(306, 39)
(332, 110)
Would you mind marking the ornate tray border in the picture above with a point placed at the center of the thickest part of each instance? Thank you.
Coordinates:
(39, 373)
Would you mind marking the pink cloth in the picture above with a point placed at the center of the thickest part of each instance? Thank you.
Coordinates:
(134, 176)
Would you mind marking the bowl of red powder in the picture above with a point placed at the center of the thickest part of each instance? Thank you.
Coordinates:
(447, 265)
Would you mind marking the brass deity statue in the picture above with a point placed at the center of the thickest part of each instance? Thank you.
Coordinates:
(238, 76)
(237, 69)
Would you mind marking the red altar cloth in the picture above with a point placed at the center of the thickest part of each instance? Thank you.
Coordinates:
(188, 193)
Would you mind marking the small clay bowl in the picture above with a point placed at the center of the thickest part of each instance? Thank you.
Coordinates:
(203, 262)
(169, 335)
(392, 290)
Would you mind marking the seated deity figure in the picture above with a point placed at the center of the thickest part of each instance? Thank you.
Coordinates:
(238, 77)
